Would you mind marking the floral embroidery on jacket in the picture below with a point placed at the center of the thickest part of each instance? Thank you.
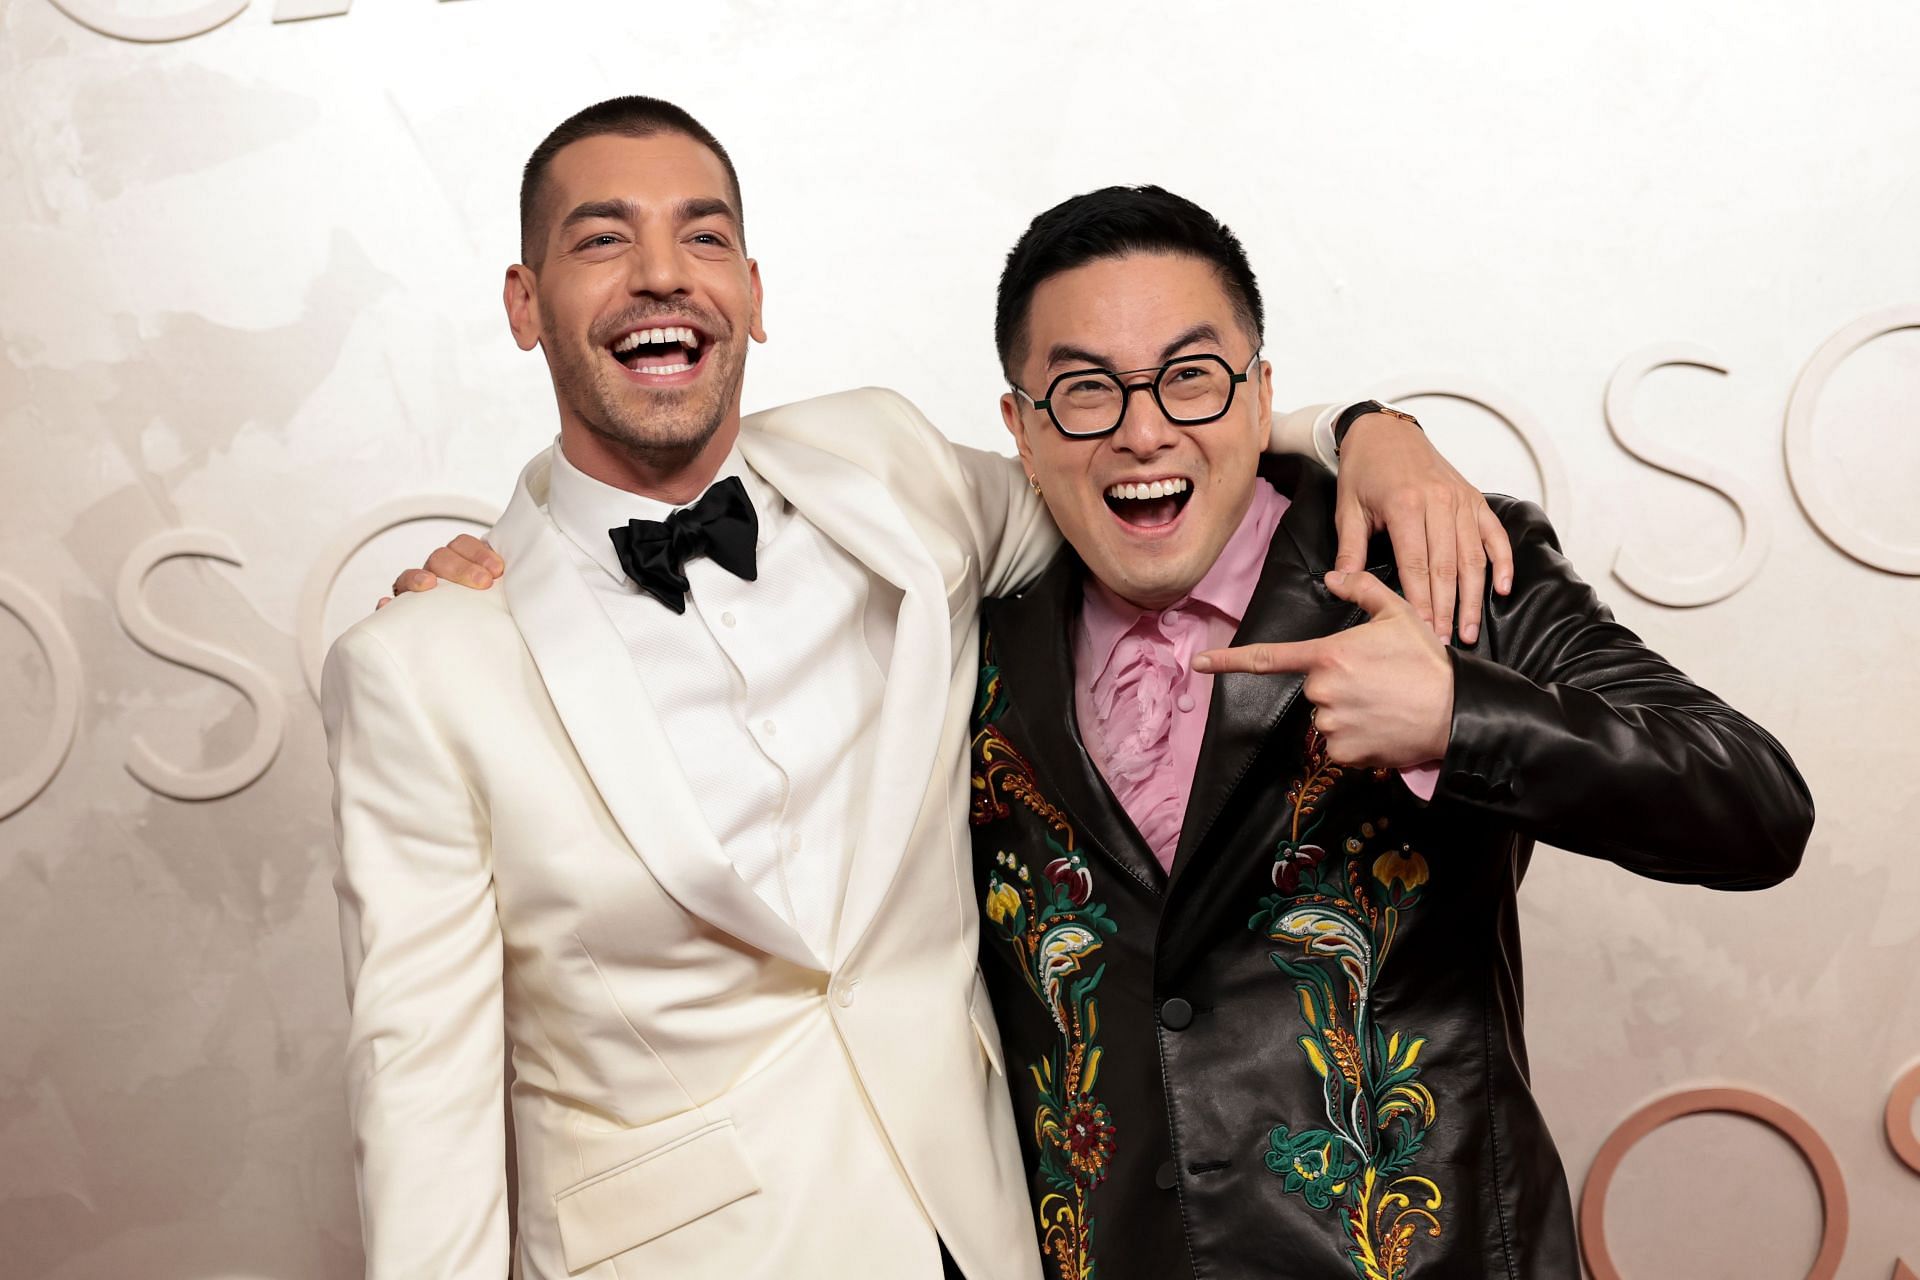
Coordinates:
(1054, 929)
(1338, 916)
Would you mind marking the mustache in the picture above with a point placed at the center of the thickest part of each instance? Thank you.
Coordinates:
(649, 317)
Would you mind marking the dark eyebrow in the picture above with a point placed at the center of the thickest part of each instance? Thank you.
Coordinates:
(617, 210)
(705, 207)
(1199, 333)
(1062, 352)
(628, 211)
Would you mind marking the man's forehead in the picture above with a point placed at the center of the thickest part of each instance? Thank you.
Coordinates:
(1130, 306)
(660, 169)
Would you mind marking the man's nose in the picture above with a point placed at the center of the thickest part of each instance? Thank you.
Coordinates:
(1144, 430)
(656, 266)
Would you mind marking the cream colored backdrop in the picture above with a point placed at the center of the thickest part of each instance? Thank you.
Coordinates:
(249, 312)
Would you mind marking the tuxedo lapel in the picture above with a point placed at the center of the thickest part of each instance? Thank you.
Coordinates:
(1031, 645)
(589, 675)
(1291, 602)
(851, 506)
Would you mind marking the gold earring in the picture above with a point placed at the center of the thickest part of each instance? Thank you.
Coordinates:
(1033, 483)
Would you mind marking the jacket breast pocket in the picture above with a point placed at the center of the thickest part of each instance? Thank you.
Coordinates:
(624, 1207)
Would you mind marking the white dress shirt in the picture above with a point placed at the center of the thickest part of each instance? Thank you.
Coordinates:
(768, 690)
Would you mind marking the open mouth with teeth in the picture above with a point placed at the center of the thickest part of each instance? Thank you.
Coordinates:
(1151, 505)
(661, 353)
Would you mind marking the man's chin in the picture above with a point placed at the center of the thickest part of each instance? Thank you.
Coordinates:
(1154, 584)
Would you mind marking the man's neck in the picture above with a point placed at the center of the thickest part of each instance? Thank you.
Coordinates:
(672, 478)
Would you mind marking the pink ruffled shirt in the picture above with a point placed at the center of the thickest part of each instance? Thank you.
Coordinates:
(1143, 709)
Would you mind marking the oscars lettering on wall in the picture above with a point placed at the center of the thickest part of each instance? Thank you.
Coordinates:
(1715, 584)
(105, 17)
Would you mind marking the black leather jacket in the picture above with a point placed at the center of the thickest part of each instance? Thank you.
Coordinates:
(1300, 1053)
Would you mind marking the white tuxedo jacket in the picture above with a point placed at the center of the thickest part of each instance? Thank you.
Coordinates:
(524, 871)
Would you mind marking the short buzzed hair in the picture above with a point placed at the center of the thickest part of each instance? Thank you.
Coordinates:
(1111, 223)
(631, 117)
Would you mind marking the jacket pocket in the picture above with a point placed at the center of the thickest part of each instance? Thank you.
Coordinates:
(652, 1194)
(980, 1013)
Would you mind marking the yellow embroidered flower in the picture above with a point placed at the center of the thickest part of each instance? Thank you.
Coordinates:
(1406, 866)
(1002, 901)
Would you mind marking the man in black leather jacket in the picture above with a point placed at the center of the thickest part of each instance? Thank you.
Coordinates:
(1249, 917)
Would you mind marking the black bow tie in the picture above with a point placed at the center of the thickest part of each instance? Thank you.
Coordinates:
(720, 526)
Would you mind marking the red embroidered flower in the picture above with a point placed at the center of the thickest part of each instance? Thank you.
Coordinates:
(1089, 1138)
(1293, 863)
(1071, 874)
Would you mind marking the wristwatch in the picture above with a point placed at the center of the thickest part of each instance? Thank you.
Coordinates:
(1356, 412)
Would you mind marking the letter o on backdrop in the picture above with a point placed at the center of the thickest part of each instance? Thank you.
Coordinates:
(1900, 1132)
(100, 16)
(1776, 1115)
(1554, 491)
(63, 660)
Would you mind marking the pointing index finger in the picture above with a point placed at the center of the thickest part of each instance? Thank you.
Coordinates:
(1297, 656)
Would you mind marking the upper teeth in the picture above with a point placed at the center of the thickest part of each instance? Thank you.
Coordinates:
(642, 337)
(1152, 489)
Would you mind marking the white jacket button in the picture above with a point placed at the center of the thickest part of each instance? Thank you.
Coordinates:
(844, 994)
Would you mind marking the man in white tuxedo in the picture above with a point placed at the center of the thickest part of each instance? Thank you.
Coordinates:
(678, 814)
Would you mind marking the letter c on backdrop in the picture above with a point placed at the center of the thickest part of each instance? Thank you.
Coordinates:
(313, 597)
(1839, 529)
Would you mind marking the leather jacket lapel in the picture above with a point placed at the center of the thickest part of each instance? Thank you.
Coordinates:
(1030, 643)
(1290, 603)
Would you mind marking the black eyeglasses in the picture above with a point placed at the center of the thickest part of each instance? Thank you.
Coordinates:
(1190, 390)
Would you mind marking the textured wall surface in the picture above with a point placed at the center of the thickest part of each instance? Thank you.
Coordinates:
(249, 312)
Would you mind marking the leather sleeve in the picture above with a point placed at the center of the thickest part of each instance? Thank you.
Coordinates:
(1569, 729)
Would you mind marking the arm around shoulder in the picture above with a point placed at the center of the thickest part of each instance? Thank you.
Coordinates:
(421, 941)
(1571, 729)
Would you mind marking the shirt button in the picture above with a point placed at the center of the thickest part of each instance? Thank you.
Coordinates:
(793, 842)
(726, 619)
(1170, 617)
(1163, 1176)
(769, 728)
(844, 996)
(1184, 702)
(1176, 1014)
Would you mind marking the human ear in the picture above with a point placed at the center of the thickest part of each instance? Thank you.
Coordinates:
(522, 299)
(755, 329)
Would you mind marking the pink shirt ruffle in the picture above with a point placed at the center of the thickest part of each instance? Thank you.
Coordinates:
(1143, 712)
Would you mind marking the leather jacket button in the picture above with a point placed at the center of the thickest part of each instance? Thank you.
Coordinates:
(1163, 1176)
(1176, 1014)
(1503, 790)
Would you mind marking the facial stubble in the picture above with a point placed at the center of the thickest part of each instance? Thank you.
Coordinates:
(671, 427)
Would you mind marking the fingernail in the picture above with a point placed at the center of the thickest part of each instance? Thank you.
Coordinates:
(1506, 584)
(1202, 662)
(1469, 633)
(1335, 577)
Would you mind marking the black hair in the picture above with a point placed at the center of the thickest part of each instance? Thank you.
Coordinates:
(1109, 223)
(632, 117)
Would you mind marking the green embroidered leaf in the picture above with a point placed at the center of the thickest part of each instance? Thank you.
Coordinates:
(1316, 1165)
